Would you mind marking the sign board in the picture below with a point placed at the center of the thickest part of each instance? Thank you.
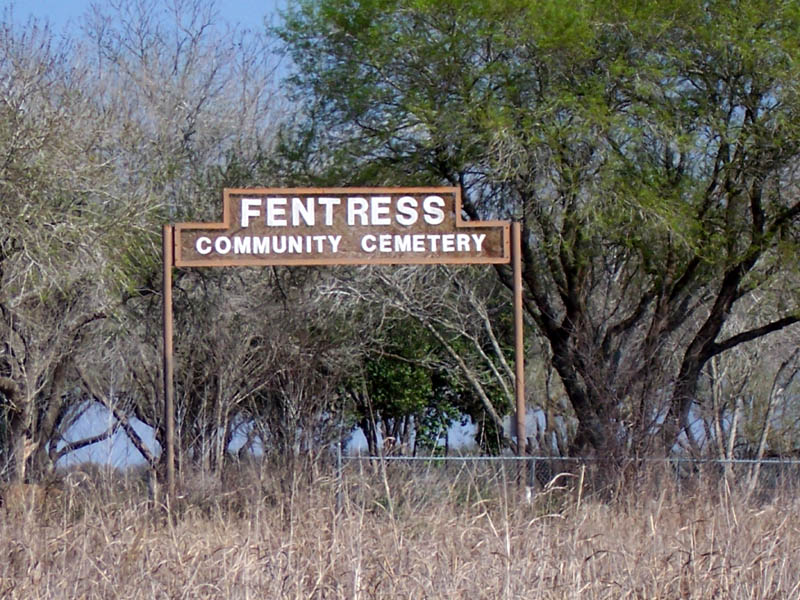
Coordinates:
(341, 226)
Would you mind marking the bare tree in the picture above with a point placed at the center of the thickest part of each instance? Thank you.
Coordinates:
(102, 139)
(59, 223)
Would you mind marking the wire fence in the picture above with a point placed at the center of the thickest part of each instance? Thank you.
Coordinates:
(760, 476)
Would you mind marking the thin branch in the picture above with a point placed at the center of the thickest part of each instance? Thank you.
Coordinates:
(487, 325)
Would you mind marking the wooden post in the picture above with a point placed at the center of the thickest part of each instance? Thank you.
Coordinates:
(519, 346)
(169, 388)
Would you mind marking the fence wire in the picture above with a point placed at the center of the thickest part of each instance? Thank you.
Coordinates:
(761, 476)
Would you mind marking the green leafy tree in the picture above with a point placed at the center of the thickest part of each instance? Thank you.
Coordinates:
(649, 149)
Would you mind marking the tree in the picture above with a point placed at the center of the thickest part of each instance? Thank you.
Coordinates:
(59, 223)
(650, 151)
(403, 386)
(103, 138)
(195, 103)
(436, 349)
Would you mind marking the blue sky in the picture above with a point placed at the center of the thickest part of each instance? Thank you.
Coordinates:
(68, 14)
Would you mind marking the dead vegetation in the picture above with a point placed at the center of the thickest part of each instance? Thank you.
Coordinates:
(436, 534)
(26, 498)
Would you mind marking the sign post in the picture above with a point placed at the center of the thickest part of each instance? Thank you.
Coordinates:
(339, 226)
(168, 367)
(519, 340)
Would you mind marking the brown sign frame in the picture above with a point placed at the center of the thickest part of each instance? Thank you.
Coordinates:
(500, 253)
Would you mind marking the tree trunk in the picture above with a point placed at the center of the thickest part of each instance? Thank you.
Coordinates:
(699, 352)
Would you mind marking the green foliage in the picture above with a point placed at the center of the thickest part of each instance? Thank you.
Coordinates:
(397, 387)
(649, 149)
(401, 382)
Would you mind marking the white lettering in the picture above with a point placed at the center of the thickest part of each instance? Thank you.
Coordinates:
(296, 222)
(306, 211)
(222, 244)
(249, 210)
(448, 242)
(320, 239)
(432, 207)
(241, 244)
(261, 245)
(203, 245)
(276, 212)
(295, 243)
(407, 213)
(357, 206)
(402, 243)
(380, 210)
(329, 202)
(278, 244)
(368, 243)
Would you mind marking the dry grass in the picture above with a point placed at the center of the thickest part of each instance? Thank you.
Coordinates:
(18, 499)
(430, 535)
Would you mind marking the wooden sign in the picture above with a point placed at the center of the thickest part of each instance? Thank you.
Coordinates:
(341, 226)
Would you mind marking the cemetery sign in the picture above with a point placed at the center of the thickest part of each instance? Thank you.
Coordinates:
(344, 226)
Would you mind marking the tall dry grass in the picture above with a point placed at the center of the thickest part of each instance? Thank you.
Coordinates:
(433, 533)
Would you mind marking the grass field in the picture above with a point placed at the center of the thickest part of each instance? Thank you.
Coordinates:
(264, 533)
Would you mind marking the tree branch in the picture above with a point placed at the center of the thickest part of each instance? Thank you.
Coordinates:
(121, 418)
(752, 334)
(78, 444)
(10, 390)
